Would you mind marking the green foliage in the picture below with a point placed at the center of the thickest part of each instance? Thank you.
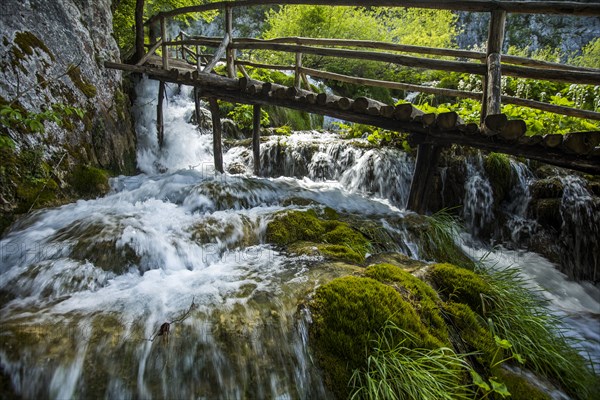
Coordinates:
(590, 55)
(15, 117)
(348, 313)
(519, 314)
(332, 238)
(243, 116)
(403, 371)
(124, 18)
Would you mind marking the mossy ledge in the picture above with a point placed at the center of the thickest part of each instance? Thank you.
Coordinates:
(81, 83)
(351, 312)
(90, 181)
(304, 232)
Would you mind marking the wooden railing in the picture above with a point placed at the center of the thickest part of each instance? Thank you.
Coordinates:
(490, 65)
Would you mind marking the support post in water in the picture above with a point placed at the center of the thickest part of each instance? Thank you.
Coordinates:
(160, 125)
(216, 120)
(256, 138)
(427, 159)
(491, 81)
(198, 113)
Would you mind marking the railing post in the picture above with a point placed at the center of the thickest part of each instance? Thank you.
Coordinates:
(165, 48)
(490, 104)
(230, 52)
(198, 63)
(182, 46)
(297, 77)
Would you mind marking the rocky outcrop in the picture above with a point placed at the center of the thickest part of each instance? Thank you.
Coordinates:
(52, 52)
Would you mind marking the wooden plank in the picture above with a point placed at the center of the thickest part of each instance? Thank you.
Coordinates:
(425, 165)
(160, 124)
(256, 138)
(217, 145)
(218, 54)
(518, 7)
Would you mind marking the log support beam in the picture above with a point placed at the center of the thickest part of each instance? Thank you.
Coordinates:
(427, 159)
(160, 123)
(490, 103)
(217, 145)
(256, 138)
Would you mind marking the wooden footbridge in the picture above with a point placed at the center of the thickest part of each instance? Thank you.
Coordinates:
(181, 62)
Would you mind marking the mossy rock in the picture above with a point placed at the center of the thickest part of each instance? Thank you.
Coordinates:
(398, 259)
(459, 285)
(36, 192)
(498, 169)
(330, 237)
(27, 42)
(90, 181)
(422, 297)
(519, 387)
(348, 313)
(80, 82)
(474, 335)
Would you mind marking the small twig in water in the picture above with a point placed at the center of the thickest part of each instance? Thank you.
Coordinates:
(165, 328)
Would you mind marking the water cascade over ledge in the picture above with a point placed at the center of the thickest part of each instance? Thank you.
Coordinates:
(86, 287)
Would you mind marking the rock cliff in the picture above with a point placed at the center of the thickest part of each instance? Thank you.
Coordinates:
(52, 52)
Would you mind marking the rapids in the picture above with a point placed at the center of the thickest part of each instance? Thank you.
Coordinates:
(85, 287)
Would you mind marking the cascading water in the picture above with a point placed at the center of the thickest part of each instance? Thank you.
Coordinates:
(479, 198)
(85, 287)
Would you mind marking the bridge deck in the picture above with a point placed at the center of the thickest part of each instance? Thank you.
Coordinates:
(577, 151)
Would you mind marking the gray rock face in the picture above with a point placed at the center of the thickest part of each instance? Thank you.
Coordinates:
(40, 41)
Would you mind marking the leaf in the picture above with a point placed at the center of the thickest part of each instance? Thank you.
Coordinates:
(478, 380)
(519, 358)
(500, 388)
(502, 343)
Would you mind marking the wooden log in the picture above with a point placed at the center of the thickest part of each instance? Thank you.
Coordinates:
(494, 84)
(256, 138)
(305, 80)
(298, 66)
(491, 78)
(581, 142)
(165, 48)
(493, 124)
(345, 103)
(552, 140)
(154, 47)
(218, 54)
(468, 129)
(364, 104)
(279, 93)
(530, 140)
(447, 121)
(160, 123)
(217, 129)
(426, 163)
(266, 88)
(242, 69)
(513, 130)
(197, 111)
(322, 99)
(230, 52)
(426, 119)
(387, 111)
(406, 112)
(525, 7)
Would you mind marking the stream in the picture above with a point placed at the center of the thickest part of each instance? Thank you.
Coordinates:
(85, 287)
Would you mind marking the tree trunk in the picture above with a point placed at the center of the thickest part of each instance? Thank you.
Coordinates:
(139, 30)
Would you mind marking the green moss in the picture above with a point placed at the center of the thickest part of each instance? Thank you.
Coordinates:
(474, 335)
(37, 193)
(422, 297)
(498, 169)
(519, 387)
(27, 42)
(459, 285)
(348, 313)
(89, 181)
(86, 88)
(331, 238)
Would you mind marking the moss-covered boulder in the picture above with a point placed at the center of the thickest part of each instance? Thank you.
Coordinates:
(499, 172)
(419, 294)
(348, 313)
(306, 233)
(90, 181)
(459, 285)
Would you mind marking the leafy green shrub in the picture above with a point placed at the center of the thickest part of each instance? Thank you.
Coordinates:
(243, 116)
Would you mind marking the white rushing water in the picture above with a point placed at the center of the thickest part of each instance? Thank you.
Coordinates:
(85, 286)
